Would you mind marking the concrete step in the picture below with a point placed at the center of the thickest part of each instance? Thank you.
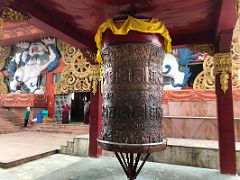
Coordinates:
(6, 115)
(25, 160)
(60, 128)
(188, 152)
(8, 127)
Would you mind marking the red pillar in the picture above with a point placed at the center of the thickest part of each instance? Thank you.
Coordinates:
(95, 123)
(227, 152)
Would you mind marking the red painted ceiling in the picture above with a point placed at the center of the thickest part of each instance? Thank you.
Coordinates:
(76, 21)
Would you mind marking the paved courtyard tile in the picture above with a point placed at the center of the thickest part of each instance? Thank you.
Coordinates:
(64, 167)
(16, 146)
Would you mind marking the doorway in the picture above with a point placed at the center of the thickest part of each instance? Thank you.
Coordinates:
(78, 100)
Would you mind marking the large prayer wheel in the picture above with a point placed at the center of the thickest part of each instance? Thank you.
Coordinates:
(132, 98)
(132, 55)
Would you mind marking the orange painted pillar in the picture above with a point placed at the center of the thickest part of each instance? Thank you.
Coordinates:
(50, 86)
(223, 83)
(50, 94)
(95, 123)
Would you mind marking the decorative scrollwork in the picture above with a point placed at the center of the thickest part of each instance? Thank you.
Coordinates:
(224, 76)
(206, 78)
(10, 14)
(4, 53)
(79, 75)
(95, 77)
(235, 46)
(222, 63)
(68, 52)
(3, 86)
(1, 29)
(80, 66)
(235, 74)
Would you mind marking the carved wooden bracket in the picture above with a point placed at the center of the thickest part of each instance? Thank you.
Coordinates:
(79, 75)
(10, 14)
(223, 66)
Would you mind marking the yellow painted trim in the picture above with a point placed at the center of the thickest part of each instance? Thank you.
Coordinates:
(153, 26)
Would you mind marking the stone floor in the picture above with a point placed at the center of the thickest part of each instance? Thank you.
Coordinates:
(64, 167)
(20, 145)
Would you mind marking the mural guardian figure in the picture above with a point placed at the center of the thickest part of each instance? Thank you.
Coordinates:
(171, 64)
(34, 58)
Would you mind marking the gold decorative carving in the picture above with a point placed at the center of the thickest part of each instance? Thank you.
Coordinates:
(204, 48)
(95, 77)
(206, 78)
(79, 75)
(9, 14)
(222, 63)
(1, 30)
(4, 53)
(235, 74)
(235, 45)
(3, 87)
(223, 66)
(235, 51)
(68, 52)
(224, 76)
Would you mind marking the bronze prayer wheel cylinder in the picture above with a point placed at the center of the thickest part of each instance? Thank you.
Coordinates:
(132, 98)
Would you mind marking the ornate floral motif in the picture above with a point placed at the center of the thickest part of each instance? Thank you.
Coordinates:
(194, 95)
(68, 52)
(3, 86)
(223, 66)
(206, 78)
(235, 74)
(189, 95)
(23, 100)
(224, 76)
(235, 46)
(4, 53)
(13, 15)
(96, 76)
(1, 29)
(79, 75)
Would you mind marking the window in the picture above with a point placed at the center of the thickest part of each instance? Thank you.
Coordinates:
(41, 81)
(168, 80)
(57, 78)
(195, 69)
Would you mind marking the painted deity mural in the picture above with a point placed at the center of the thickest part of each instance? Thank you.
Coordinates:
(26, 66)
(176, 66)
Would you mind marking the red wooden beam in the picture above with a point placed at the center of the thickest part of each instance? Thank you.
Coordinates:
(226, 20)
(16, 32)
(195, 38)
(50, 23)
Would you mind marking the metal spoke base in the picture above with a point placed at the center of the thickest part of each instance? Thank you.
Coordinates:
(130, 165)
